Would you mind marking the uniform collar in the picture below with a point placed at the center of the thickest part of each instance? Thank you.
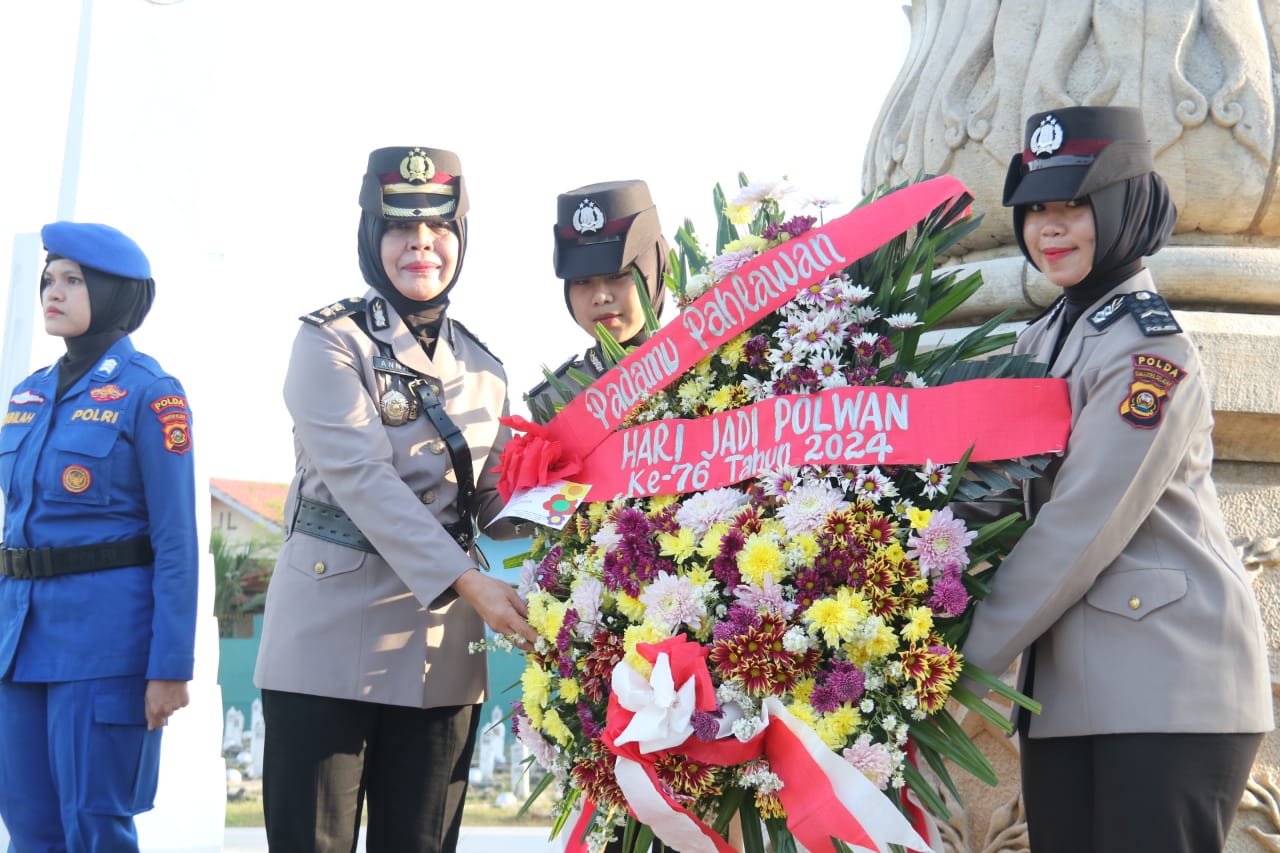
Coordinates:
(1073, 346)
(408, 352)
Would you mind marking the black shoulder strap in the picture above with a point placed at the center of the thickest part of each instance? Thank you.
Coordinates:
(472, 335)
(326, 315)
(427, 390)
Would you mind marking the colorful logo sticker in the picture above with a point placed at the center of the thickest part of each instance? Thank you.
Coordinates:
(76, 479)
(564, 503)
(1153, 376)
(107, 393)
(173, 401)
(22, 398)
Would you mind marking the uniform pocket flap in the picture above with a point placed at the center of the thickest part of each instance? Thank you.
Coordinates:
(1137, 593)
(120, 708)
(319, 559)
(92, 441)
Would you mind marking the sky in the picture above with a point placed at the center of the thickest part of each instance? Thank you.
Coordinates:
(229, 137)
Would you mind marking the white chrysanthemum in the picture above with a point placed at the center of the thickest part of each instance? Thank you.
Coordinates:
(857, 293)
(698, 284)
(936, 478)
(783, 357)
(585, 598)
(808, 505)
(757, 389)
(874, 486)
(701, 511)
(902, 321)
(829, 373)
(864, 314)
(796, 640)
(758, 191)
(528, 581)
(914, 380)
(777, 483)
(672, 601)
(607, 537)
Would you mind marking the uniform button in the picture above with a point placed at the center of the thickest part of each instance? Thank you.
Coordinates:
(435, 388)
(436, 446)
(428, 497)
(1135, 603)
(319, 567)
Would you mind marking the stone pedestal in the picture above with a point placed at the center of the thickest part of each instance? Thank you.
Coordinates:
(1206, 79)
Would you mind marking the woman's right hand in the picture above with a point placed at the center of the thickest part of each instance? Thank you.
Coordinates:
(498, 605)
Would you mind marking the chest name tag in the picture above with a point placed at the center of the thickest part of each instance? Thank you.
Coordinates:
(390, 365)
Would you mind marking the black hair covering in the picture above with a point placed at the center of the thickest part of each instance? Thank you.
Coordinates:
(422, 317)
(117, 306)
(1133, 218)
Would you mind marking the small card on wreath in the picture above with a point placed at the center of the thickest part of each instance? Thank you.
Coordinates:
(551, 505)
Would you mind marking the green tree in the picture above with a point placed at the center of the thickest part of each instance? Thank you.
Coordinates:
(241, 570)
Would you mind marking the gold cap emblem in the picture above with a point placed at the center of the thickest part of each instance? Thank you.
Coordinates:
(417, 168)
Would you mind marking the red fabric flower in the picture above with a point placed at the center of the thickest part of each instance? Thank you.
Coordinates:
(532, 459)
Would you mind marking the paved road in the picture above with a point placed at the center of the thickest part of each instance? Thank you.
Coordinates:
(477, 839)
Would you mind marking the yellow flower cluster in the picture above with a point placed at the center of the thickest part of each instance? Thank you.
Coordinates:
(838, 619)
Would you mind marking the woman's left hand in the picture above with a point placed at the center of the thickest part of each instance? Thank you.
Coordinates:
(163, 698)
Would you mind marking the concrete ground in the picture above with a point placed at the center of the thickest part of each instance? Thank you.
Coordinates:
(475, 839)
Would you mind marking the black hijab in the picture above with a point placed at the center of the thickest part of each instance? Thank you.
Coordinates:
(422, 317)
(117, 307)
(1133, 218)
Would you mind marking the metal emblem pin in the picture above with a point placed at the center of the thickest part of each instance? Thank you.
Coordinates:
(1047, 138)
(416, 167)
(395, 408)
(588, 218)
(378, 310)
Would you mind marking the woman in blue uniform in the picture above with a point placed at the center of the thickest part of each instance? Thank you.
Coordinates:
(98, 579)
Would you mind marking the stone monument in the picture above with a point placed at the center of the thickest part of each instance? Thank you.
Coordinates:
(1206, 78)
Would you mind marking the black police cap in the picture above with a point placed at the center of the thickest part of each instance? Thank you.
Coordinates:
(602, 229)
(414, 183)
(1075, 151)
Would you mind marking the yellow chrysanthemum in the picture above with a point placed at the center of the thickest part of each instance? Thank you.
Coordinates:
(535, 686)
(837, 618)
(569, 689)
(894, 553)
(699, 575)
(919, 624)
(658, 503)
(919, 586)
(919, 518)
(546, 615)
(731, 351)
(802, 550)
(632, 608)
(804, 712)
(702, 368)
(747, 241)
(692, 391)
(738, 214)
(723, 398)
(679, 546)
(645, 632)
(836, 727)
(884, 643)
(555, 728)
(597, 510)
(709, 548)
(761, 557)
(534, 713)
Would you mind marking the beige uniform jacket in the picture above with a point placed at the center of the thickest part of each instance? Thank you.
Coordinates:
(383, 627)
(1141, 614)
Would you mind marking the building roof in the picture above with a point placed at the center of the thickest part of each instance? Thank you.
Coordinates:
(264, 502)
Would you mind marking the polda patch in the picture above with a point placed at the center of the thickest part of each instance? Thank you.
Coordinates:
(177, 432)
(107, 393)
(1153, 377)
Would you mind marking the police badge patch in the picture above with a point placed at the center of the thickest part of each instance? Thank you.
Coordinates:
(1153, 377)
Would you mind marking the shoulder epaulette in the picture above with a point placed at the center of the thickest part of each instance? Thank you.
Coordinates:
(472, 335)
(326, 315)
(1148, 310)
(1152, 314)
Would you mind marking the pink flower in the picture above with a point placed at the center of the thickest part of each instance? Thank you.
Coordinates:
(724, 264)
(871, 759)
(941, 543)
(672, 601)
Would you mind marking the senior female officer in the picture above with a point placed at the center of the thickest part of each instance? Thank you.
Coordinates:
(1138, 627)
(98, 585)
(369, 692)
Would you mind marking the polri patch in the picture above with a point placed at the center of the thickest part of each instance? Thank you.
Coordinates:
(1153, 377)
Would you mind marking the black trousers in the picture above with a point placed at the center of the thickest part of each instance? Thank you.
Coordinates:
(323, 759)
(1172, 793)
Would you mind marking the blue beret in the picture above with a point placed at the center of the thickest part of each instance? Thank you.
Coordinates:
(98, 246)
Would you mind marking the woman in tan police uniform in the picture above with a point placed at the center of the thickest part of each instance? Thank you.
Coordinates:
(1143, 640)
(368, 688)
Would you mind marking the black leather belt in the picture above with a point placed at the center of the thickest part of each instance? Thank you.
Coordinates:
(30, 563)
(331, 524)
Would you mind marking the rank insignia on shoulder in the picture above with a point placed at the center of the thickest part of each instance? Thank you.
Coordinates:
(1107, 314)
(329, 313)
(107, 368)
(1152, 314)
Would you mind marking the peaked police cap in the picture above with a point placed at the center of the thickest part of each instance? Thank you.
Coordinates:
(414, 183)
(603, 228)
